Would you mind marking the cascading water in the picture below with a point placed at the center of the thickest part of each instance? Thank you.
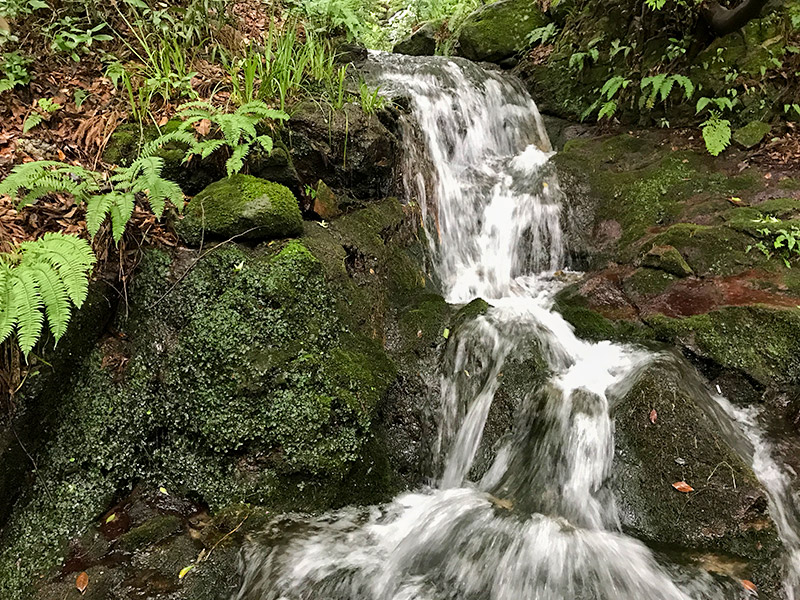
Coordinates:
(477, 163)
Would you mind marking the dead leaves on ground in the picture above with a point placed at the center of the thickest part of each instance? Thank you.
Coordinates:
(82, 582)
(683, 487)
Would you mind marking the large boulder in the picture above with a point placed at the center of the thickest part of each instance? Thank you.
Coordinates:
(243, 206)
(668, 432)
(354, 153)
(258, 375)
(498, 31)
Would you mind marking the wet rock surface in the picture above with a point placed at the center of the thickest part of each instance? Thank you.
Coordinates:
(669, 238)
(669, 435)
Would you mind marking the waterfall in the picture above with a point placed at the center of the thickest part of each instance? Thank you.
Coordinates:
(538, 523)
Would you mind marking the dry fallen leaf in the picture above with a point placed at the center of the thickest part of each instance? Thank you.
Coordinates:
(749, 585)
(203, 127)
(653, 416)
(503, 503)
(82, 582)
(682, 486)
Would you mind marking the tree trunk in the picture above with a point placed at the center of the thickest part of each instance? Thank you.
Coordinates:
(723, 21)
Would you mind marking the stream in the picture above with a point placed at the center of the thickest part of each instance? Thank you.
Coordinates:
(537, 522)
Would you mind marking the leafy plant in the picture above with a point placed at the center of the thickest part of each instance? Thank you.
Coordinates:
(371, 100)
(236, 131)
(661, 85)
(542, 35)
(15, 71)
(43, 277)
(71, 38)
(721, 104)
(785, 242)
(35, 118)
(30, 181)
(326, 16)
(12, 9)
(578, 59)
(716, 133)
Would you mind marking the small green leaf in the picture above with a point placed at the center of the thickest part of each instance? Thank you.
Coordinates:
(446, 333)
(185, 571)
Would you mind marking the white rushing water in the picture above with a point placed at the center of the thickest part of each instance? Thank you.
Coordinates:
(538, 522)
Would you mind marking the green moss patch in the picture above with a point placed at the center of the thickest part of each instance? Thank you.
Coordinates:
(244, 206)
(760, 341)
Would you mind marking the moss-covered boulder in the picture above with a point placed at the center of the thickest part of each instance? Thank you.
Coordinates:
(750, 135)
(498, 31)
(668, 431)
(762, 342)
(667, 259)
(421, 42)
(243, 206)
(266, 375)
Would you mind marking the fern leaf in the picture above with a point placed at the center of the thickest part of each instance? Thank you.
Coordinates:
(206, 148)
(32, 121)
(236, 162)
(54, 296)
(43, 177)
(266, 142)
(71, 256)
(666, 88)
(28, 306)
(96, 211)
(180, 136)
(686, 84)
(607, 110)
(716, 133)
(261, 110)
(8, 309)
(121, 211)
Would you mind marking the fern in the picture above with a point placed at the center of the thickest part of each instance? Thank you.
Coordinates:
(237, 131)
(43, 277)
(31, 181)
(716, 133)
(661, 86)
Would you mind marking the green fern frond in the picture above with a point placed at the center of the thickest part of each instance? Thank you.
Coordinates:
(54, 296)
(157, 189)
(8, 312)
(71, 256)
(121, 211)
(28, 307)
(30, 181)
(236, 162)
(262, 111)
(96, 211)
(716, 133)
(205, 148)
(265, 142)
(182, 136)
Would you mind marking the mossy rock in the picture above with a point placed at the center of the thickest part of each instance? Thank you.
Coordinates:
(760, 341)
(499, 30)
(243, 383)
(751, 134)
(150, 533)
(683, 441)
(667, 259)
(421, 42)
(242, 206)
(257, 375)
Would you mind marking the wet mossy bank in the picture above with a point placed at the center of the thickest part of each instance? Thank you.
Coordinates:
(669, 239)
(267, 374)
